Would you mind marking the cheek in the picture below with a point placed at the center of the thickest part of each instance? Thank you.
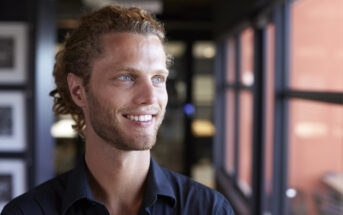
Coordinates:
(107, 101)
(110, 94)
(164, 98)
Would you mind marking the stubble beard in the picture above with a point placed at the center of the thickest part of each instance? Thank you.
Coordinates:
(105, 124)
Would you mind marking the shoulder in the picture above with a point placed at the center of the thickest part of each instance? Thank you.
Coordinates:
(183, 185)
(195, 197)
(37, 200)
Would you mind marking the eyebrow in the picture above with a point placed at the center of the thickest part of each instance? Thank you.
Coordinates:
(134, 70)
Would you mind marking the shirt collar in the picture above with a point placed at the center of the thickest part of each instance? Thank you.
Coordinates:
(158, 185)
(77, 186)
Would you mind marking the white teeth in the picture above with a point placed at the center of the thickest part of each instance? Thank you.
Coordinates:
(140, 118)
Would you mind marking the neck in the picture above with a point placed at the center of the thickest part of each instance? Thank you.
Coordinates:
(117, 177)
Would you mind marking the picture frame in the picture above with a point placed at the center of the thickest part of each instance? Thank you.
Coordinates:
(12, 121)
(12, 180)
(13, 52)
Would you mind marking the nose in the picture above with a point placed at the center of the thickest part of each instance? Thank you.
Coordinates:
(145, 93)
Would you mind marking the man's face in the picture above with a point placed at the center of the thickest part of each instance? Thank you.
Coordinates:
(126, 96)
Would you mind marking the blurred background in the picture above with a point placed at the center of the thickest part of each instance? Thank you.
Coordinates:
(255, 99)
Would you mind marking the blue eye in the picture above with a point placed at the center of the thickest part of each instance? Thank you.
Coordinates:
(125, 78)
(158, 79)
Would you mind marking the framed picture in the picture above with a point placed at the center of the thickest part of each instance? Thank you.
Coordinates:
(12, 180)
(13, 48)
(12, 121)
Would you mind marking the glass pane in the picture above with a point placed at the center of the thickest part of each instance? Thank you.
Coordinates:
(317, 45)
(230, 131)
(203, 89)
(245, 141)
(247, 57)
(230, 61)
(202, 120)
(204, 49)
(170, 142)
(269, 91)
(315, 158)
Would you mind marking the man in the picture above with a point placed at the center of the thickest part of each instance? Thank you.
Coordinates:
(111, 77)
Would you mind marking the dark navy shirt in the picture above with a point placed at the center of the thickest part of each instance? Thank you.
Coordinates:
(166, 193)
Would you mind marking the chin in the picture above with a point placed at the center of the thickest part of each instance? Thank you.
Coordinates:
(134, 147)
(142, 146)
(133, 144)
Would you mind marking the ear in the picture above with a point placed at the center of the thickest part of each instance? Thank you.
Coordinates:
(76, 89)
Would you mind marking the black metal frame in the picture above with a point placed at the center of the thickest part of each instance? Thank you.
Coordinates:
(261, 195)
(229, 187)
(189, 139)
(43, 81)
(243, 203)
(327, 97)
(280, 109)
(237, 104)
(219, 107)
(258, 122)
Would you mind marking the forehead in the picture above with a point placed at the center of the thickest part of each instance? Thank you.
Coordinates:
(123, 47)
(126, 40)
(123, 50)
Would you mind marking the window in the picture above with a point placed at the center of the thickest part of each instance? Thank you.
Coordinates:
(239, 111)
(230, 132)
(316, 45)
(315, 153)
(230, 107)
(315, 146)
(247, 61)
(231, 61)
(284, 111)
(269, 114)
(245, 111)
(245, 141)
(171, 134)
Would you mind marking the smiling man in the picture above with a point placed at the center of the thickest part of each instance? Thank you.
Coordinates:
(111, 77)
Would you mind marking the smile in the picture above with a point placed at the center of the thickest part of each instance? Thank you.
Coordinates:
(139, 118)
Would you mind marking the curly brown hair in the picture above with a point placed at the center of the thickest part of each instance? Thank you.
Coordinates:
(84, 45)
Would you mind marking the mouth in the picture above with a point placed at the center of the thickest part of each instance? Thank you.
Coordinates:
(139, 118)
